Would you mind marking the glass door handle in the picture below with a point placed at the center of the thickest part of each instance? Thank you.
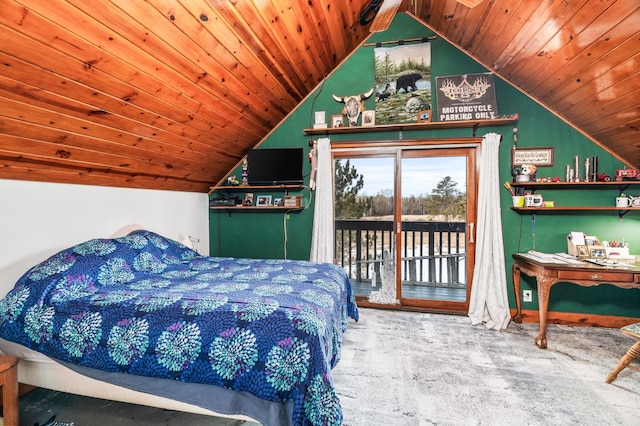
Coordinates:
(471, 233)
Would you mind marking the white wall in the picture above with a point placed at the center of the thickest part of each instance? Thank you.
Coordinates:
(39, 219)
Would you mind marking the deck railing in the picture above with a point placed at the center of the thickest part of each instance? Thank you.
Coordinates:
(433, 253)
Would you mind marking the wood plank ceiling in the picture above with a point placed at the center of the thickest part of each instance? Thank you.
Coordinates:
(170, 94)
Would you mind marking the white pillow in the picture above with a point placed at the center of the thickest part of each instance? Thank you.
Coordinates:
(126, 231)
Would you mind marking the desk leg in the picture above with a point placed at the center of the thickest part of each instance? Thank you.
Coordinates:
(544, 286)
(515, 273)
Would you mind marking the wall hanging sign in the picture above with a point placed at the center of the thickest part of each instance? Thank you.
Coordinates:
(541, 156)
(466, 97)
(402, 82)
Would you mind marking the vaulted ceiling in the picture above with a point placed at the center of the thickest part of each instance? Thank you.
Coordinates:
(170, 94)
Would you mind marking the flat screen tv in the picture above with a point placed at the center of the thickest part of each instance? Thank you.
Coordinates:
(275, 166)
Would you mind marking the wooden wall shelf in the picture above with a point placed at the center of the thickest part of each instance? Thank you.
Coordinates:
(576, 185)
(256, 208)
(573, 208)
(432, 125)
(619, 185)
(251, 188)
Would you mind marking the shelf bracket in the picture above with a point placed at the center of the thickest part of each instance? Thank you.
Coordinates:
(475, 129)
(622, 187)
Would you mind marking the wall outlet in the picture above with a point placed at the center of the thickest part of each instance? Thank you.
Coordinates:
(527, 295)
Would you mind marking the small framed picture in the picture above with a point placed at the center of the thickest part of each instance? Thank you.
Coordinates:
(597, 253)
(425, 115)
(263, 200)
(369, 117)
(248, 199)
(583, 251)
(278, 202)
(320, 117)
(321, 122)
(337, 120)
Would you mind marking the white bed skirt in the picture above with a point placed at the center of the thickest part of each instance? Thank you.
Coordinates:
(39, 370)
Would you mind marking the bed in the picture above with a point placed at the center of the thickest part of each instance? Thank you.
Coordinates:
(148, 320)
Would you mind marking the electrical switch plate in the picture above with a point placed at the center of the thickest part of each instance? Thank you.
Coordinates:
(527, 296)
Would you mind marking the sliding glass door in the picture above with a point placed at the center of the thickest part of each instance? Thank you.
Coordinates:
(403, 221)
(364, 217)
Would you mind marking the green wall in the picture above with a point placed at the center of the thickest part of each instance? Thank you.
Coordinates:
(260, 234)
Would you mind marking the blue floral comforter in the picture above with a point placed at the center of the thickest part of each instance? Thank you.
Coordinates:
(147, 305)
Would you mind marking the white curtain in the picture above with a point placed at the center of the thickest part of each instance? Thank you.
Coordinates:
(322, 237)
(489, 303)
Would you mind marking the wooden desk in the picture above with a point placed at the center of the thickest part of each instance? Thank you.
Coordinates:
(547, 274)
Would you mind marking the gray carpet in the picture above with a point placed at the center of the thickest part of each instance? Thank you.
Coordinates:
(403, 368)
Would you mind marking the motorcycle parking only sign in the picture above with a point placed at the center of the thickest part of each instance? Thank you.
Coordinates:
(466, 97)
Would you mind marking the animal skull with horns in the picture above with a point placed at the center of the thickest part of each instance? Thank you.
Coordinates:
(353, 105)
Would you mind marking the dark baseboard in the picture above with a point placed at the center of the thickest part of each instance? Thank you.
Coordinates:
(584, 320)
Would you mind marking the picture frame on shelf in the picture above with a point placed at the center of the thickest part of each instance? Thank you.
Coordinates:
(263, 201)
(278, 202)
(320, 120)
(369, 118)
(337, 120)
(292, 201)
(248, 199)
(425, 116)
